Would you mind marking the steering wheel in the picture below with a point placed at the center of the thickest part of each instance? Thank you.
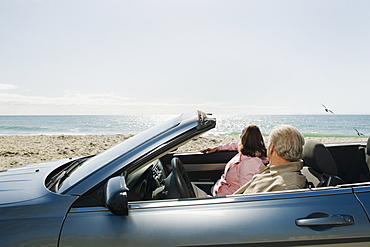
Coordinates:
(182, 179)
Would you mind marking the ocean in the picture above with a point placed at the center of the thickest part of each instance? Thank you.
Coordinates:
(309, 125)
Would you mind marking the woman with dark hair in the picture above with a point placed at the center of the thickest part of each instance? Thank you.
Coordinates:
(241, 168)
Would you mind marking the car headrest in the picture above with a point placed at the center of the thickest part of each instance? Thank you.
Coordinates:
(318, 157)
(368, 147)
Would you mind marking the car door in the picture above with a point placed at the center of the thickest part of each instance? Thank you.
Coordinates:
(308, 217)
(362, 191)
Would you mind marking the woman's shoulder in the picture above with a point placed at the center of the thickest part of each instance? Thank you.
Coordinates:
(262, 160)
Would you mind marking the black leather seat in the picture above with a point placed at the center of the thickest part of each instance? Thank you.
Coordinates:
(358, 168)
(319, 168)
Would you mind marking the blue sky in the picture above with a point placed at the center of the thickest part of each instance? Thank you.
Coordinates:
(167, 57)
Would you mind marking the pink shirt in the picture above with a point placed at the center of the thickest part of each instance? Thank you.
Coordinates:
(238, 171)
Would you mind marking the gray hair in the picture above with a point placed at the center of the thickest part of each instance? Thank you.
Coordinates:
(288, 142)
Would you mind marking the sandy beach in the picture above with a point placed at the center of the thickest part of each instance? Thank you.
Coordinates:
(22, 150)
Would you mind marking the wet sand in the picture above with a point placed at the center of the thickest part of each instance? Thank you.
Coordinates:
(21, 150)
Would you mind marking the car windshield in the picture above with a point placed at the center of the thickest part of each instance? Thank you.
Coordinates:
(100, 160)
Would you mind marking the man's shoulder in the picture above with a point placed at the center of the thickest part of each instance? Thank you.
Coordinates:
(288, 167)
(276, 178)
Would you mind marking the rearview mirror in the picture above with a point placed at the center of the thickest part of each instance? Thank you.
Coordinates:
(115, 193)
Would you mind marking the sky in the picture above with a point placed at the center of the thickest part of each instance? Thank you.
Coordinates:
(154, 57)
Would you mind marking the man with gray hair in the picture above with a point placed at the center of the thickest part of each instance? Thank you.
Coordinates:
(285, 163)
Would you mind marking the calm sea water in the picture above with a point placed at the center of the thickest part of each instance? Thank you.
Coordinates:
(310, 125)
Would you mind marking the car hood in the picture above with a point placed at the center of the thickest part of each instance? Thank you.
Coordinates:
(26, 182)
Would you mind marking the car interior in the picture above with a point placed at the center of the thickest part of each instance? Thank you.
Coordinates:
(172, 175)
(335, 164)
(324, 165)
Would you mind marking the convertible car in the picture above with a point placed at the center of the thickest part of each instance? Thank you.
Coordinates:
(139, 193)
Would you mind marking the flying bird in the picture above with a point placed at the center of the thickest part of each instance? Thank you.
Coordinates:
(327, 110)
(359, 133)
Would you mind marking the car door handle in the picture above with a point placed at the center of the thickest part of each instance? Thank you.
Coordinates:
(329, 220)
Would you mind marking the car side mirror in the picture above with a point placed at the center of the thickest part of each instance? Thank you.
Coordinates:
(115, 194)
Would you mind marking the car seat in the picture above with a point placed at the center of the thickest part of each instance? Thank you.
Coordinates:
(367, 151)
(358, 167)
(319, 168)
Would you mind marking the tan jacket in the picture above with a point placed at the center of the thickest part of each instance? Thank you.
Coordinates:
(275, 178)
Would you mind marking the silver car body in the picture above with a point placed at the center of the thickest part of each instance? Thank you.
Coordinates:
(45, 205)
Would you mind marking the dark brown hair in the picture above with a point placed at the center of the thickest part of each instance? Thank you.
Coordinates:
(252, 143)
